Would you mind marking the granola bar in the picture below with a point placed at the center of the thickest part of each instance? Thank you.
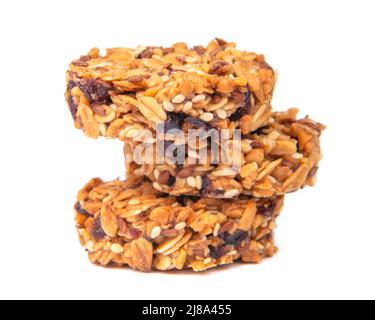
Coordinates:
(218, 84)
(277, 159)
(127, 224)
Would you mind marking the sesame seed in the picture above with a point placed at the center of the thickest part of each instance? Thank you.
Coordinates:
(191, 182)
(216, 229)
(168, 106)
(116, 248)
(222, 114)
(199, 98)
(199, 182)
(156, 231)
(180, 226)
(231, 193)
(188, 106)
(207, 117)
(156, 174)
(179, 98)
(157, 186)
(297, 156)
(164, 78)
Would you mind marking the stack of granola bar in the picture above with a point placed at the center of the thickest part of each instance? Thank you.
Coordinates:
(208, 160)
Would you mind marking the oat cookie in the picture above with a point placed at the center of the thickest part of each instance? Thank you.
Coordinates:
(217, 84)
(127, 224)
(279, 158)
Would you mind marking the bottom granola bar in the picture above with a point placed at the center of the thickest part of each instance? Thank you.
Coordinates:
(123, 223)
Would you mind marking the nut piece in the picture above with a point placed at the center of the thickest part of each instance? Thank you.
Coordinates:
(248, 217)
(141, 255)
(90, 125)
(108, 221)
(151, 109)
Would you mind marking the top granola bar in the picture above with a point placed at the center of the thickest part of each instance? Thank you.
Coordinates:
(218, 84)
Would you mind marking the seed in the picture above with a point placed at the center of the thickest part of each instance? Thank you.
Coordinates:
(90, 246)
(156, 231)
(164, 78)
(222, 114)
(297, 156)
(168, 106)
(191, 182)
(199, 182)
(116, 248)
(246, 146)
(216, 229)
(188, 106)
(207, 117)
(231, 194)
(179, 98)
(157, 186)
(180, 226)
(134, 202)
(156, 174)
(199, 98)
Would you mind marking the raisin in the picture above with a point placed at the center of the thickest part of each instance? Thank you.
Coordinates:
(218, 252)
(236, 238)
(219, 67)
(206, 186)
(313, 171)
(171, 181)
(146, 54)
(78, 208)
(245, 107)
(198, 123)
(96, 230)
(95, 91)
(267, 211)
(73, 107)
(174, 121)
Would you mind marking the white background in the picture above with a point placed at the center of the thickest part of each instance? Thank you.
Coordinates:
(324, 51)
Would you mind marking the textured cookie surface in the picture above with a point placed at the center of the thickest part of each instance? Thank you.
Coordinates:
(121, 223)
